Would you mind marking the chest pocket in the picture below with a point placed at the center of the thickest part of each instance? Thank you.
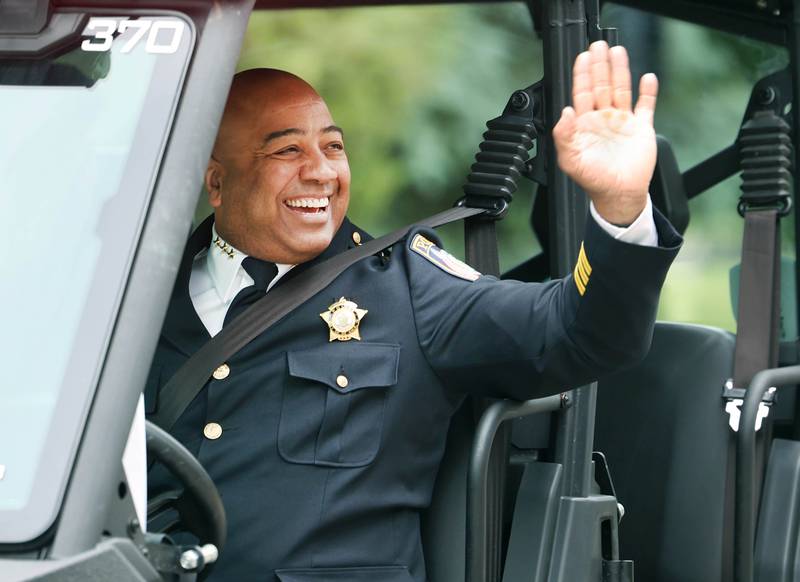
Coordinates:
(333, 403)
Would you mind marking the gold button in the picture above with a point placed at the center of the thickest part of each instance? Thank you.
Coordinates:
(222, 372)
(357, 237)
(342, 381)
(212, 431)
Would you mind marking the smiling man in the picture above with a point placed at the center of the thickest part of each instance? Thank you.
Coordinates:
(325, 433)
(278, 166)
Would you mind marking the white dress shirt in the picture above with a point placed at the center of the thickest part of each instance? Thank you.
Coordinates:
(217, 276)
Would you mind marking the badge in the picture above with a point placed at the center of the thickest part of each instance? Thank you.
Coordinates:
(343, 318)
(442, 259)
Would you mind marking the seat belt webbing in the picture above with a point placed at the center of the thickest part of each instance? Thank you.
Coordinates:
(480, 242)
(759, 297)
(756, 347)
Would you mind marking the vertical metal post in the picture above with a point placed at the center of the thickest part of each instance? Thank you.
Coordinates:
(565, 35)
(794, 59)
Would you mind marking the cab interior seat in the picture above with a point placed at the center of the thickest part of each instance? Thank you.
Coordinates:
(663, 429)
(665, 434)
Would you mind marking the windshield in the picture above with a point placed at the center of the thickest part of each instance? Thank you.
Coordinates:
(82, 136)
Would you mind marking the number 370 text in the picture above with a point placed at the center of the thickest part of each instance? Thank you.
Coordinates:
(163, 36)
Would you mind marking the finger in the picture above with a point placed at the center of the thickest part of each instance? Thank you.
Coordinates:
(582, 96)
(565, 128)
(601, 83)
(648, 91)
(620, 78)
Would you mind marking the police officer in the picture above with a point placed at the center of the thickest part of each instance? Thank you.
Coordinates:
(325, 433)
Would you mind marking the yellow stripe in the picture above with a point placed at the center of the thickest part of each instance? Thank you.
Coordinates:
(582, 272)
(586, 267)
(578, 283)
(582, 258)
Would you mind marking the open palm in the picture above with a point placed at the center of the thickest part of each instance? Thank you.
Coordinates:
(608, 149)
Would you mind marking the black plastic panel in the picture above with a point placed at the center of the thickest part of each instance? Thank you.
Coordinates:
(779, 520)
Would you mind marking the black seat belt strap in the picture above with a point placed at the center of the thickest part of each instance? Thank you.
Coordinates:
(480, 242)
(503, 159)
(190, 378)
(765, 150)
(757, 335)
(759, 297)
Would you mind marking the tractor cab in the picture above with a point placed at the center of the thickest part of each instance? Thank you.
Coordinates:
(685, 467)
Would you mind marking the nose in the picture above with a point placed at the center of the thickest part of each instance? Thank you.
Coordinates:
(318, 168)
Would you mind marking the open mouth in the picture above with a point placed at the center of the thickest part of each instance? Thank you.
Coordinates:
(308, 205)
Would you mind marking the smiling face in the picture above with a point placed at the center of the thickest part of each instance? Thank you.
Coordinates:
(278, 180)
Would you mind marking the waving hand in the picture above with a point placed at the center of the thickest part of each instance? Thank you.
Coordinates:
(608, 149)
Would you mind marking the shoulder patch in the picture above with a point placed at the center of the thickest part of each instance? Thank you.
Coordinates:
(442, 259)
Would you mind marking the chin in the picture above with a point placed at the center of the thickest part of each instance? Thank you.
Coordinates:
(311, 248)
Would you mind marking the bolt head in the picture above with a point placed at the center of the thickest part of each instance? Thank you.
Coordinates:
(520, 100)
(766, 95)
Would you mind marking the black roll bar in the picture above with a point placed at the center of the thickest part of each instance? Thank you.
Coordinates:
(494, 416)
(745, 517)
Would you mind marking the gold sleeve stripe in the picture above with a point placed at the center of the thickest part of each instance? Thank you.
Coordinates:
(583, 260)
(578, 283)
(583, 270)
(579, 269)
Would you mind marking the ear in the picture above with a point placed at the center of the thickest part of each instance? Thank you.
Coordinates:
(215, 172)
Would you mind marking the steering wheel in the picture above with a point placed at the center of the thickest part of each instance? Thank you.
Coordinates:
(199, 505)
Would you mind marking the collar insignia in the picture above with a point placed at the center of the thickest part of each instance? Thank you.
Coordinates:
(224, 247)
(343, 319)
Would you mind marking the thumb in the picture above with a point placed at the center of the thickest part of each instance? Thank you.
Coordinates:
(565, 128)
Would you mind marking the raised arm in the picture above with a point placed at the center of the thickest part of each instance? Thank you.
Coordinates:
(524, 340)
(608, 149)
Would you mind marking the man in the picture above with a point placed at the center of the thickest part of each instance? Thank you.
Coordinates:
(325, 433)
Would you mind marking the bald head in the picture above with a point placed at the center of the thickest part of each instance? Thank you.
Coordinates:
(254, 93)
(278, 178)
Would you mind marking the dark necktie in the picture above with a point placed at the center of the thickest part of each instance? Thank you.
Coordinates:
(262, 272)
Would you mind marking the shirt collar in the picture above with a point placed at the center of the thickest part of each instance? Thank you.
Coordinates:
(224, 263)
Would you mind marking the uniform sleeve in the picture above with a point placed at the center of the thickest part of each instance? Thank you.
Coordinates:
(526, 340)
(641, 231)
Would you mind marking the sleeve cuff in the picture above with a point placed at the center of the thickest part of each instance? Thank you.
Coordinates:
(641, 231)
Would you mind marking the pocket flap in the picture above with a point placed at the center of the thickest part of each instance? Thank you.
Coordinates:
(359, 574)
(347, 366)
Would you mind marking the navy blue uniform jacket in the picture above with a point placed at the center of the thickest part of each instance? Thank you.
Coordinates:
(327, 483)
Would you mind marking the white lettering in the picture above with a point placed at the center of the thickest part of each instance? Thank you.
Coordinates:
(101, 31)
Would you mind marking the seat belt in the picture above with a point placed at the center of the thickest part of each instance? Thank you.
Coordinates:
(765, 147)
(481, 253)
(188, 381)
(502, 159)
(759, 297)
(756, 346)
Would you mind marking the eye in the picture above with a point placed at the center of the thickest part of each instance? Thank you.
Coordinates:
(338, 146)
(287, 150)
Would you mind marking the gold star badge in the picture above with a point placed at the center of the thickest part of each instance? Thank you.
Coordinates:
(343, 318)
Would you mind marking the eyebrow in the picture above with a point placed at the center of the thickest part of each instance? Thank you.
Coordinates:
(295, 131)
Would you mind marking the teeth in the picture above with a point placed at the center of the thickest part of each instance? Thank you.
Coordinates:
(307, 202)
